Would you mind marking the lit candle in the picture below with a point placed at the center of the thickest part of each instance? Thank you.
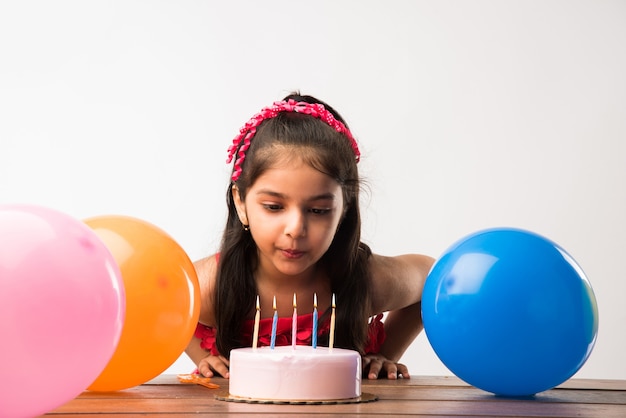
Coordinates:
(257, 318)
(314, 336)
(331, 341)
(294, 323)
(274, 323)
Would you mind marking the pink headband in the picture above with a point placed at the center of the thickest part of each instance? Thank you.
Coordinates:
(249, 129)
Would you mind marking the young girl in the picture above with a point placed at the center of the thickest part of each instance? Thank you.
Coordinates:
(294, 227)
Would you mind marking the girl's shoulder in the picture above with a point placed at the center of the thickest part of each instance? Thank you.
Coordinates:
(206, 266)
(397, 281)
(206, 270)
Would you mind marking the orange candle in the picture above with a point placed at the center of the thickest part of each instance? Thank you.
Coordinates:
(257, 318)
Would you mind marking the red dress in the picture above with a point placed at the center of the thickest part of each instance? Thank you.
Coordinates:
(376, 333)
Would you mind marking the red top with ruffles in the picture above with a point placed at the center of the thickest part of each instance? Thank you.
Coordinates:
(376, 333)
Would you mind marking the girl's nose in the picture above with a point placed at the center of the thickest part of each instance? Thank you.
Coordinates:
(295, 224)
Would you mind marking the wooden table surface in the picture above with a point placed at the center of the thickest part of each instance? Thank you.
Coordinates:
(418, 396)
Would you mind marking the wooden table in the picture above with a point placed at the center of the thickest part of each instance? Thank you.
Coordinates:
(418, 396)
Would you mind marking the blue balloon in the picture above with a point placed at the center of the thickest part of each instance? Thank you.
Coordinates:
(509, 312)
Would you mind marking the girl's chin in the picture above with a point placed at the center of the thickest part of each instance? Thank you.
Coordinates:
(292, 267)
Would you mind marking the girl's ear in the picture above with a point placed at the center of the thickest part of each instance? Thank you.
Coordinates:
(240, 205)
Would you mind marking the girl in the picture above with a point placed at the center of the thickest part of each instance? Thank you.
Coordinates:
(294, 228)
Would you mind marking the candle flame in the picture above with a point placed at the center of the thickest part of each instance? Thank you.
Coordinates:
(258, 305)
(274, 303)
(334, 301)
(315, 300)
(294, 300)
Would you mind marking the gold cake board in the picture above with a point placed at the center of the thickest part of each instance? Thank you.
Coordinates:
(223, 395)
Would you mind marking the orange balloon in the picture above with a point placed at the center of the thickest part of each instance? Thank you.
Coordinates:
(162, 300)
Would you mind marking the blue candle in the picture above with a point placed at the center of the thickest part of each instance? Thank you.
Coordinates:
(274, 323)
(314, 336)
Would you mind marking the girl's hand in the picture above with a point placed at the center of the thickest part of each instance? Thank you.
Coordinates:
(375, 366)
(210, 365)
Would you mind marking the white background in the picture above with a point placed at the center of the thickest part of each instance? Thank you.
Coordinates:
(470, 114)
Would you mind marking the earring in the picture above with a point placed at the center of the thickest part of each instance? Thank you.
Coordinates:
(245, 227)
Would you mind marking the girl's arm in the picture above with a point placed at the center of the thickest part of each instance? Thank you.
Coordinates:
(206, 269)
(397, 284)
(207, 364)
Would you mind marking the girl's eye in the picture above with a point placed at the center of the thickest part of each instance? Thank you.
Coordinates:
(318, 211)
(272, 207)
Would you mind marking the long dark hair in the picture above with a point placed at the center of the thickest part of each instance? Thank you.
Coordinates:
(345, 261)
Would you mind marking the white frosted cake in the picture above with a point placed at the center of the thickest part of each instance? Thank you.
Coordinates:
(288, 374)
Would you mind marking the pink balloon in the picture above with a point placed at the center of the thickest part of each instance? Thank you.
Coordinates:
(62, 306)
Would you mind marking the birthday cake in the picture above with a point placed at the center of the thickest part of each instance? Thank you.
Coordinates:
(286, 373)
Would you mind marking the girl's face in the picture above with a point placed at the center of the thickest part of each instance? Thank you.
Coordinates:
(293, 212)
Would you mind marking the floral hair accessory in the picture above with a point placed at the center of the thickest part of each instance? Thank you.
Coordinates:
(249, 129)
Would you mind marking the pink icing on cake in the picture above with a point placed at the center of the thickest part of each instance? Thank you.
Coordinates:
(305, 373)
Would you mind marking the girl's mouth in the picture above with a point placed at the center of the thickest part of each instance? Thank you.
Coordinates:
(292, 254)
